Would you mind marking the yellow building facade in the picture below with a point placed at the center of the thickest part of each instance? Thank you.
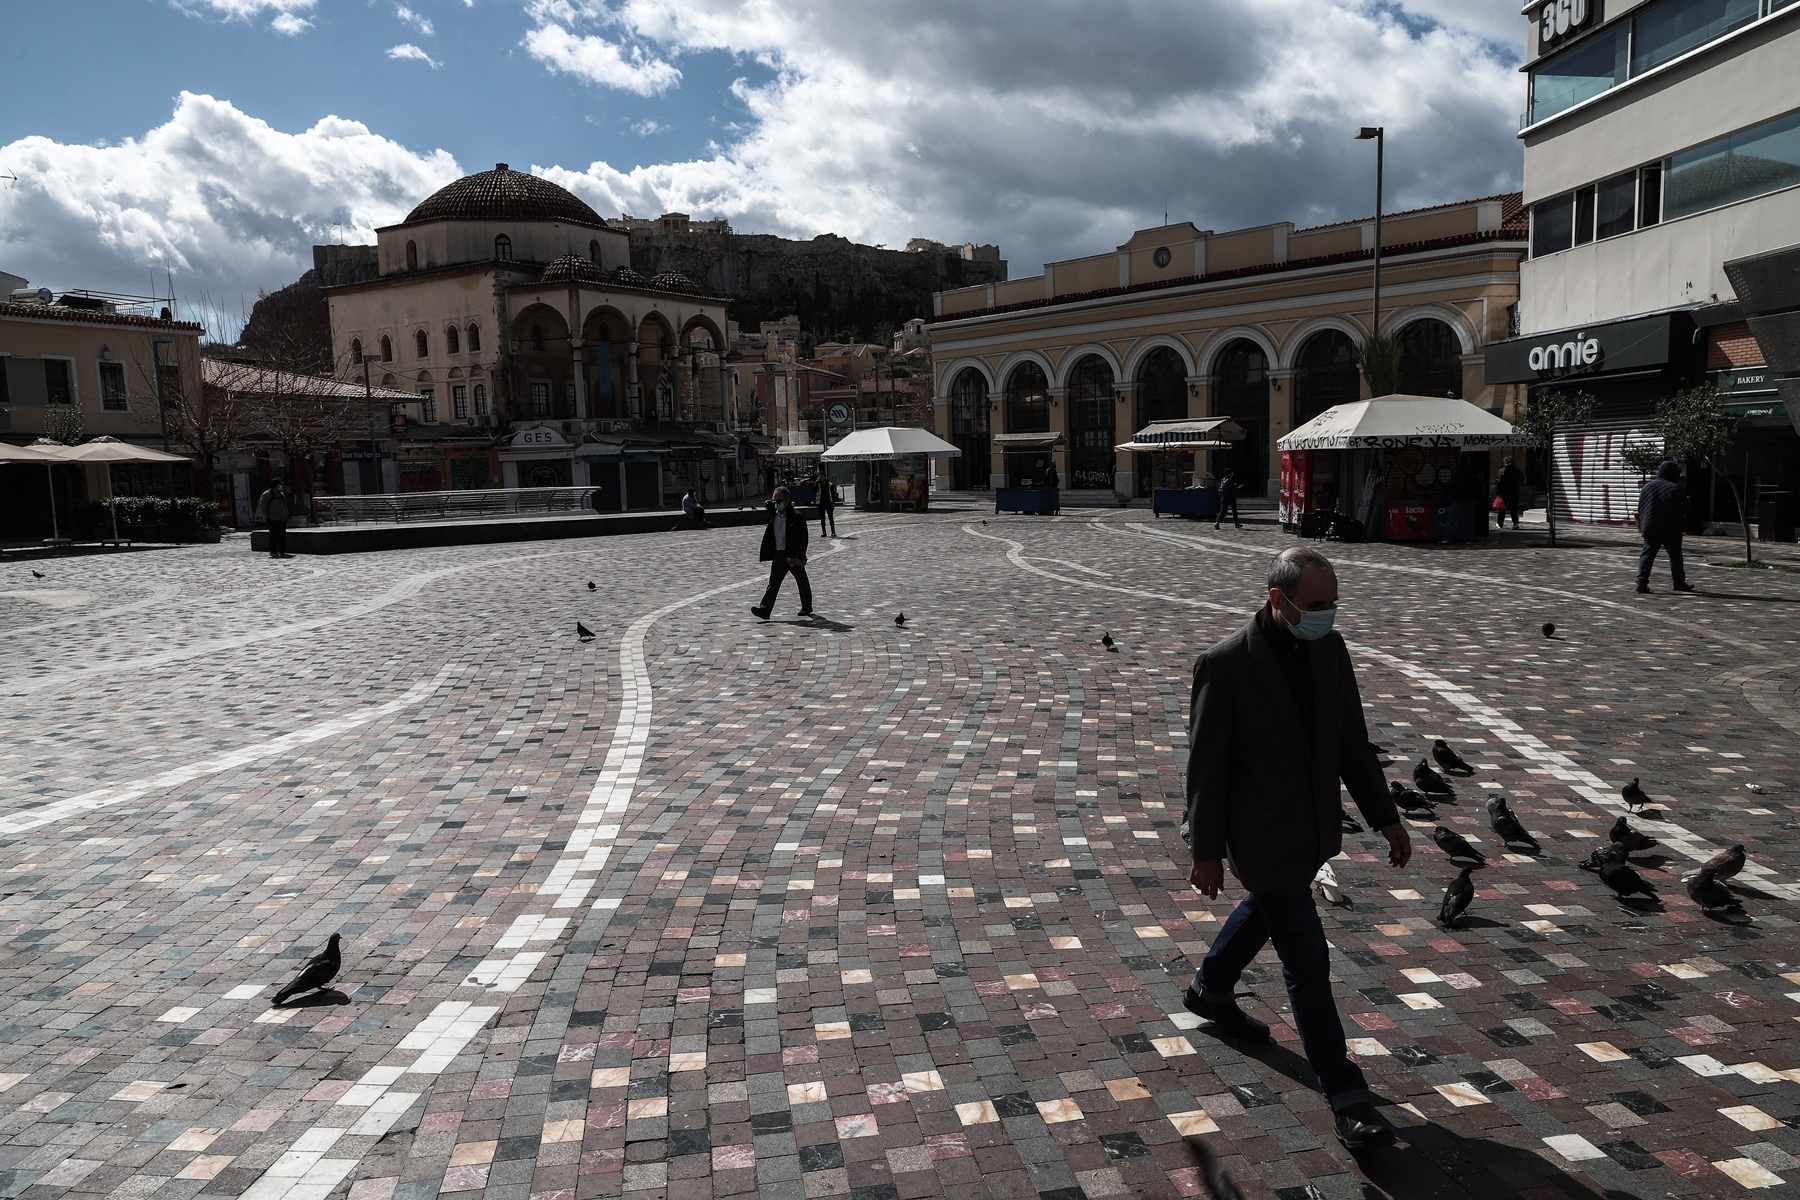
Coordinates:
(1257, 324)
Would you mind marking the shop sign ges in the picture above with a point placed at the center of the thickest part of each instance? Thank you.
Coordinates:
(1559, 20)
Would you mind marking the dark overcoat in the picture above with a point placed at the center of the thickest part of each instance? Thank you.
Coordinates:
(796, 537)
(1261, 793)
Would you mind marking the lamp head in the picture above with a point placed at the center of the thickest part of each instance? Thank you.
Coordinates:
(1367, 132)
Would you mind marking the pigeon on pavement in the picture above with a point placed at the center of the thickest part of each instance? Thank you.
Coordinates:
(1624, 881)
(1430, 782)
(1502, 821)
(1457, 846)
(591, 586)
(1106, 639)
(1631, 839)
(1705, 888)
(1727, 862)
(37, 574)
(1448, 758)
(583, 632)
(1326, 881)
(1547, 629)
(1635, 798)
(1755, 787)
(900, 621)
(1457, 898)
(1411, 801)
(319, 970)
(1348, 822)
(1604, 853)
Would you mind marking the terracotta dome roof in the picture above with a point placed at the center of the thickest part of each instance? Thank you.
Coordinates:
(675, 281)
(626, 277)
(572, 268)
(503, 194)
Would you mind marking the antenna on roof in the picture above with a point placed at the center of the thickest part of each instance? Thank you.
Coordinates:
(9, 177)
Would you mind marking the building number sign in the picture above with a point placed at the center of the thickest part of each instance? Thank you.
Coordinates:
(1562, 19)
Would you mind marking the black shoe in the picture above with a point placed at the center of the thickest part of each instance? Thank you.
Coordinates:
(762, 614)
(1360, 1127)
(1227, 1018)
(805, 612)
(1684, 587)
(1643, 588)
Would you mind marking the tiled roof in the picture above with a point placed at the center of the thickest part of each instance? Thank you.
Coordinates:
(503, 194)
(572, 268)
(90, 316)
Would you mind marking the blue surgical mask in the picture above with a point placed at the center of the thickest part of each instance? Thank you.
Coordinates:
(1312, 625)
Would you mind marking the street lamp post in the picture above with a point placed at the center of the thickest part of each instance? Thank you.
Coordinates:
(1379, 134)
(369, 419)
(162, 399)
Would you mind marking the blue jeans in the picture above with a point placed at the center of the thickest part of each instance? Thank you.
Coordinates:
(1647, 559)
(1292, 923)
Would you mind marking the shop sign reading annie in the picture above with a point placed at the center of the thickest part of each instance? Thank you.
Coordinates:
(1584, 351)
(1561, 19)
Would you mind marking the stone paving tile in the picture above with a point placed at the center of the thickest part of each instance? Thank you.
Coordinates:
(852, 910)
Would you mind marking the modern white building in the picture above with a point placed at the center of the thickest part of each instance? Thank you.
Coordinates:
(1662, 141)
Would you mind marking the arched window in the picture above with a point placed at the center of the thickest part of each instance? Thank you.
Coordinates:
(969, 429)
(387, 349)
(594, 252)
(422, 343)
(1241, 392)
(1430, 359)
(481, 400)
(1161, 396)
(451, 341)
(1324, 374)
(537, 338)
(503, 248)
(412, 255)
(474, 338)
(1027, 400)
(1092, 402)
(356, 355)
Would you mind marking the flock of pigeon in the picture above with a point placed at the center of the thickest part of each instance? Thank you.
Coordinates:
(1706, 887)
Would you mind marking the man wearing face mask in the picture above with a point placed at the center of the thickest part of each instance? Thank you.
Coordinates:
(784, 549)
(1276, 723)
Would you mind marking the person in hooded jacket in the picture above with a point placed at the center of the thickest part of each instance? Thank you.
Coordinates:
(1662, 511)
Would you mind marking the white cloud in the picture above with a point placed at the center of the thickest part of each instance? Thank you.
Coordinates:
(417, 20)
(408, 50)
(646, 128)
(597, 60)
(1056, 132)
(286, 19)
(221, 199)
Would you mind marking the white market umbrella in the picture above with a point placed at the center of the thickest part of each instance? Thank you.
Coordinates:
(888, 441)
(1396, 422)
(32, 454)
(110, 450)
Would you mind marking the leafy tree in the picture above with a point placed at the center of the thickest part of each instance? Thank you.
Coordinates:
(1378, 358)
(1692, 424)
(1544, 414)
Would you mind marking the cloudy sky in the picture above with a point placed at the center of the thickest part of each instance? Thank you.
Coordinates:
(214, 141)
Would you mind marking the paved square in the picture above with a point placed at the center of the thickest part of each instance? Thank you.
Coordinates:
(710, 907)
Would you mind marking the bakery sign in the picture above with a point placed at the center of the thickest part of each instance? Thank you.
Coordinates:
(1560, 20)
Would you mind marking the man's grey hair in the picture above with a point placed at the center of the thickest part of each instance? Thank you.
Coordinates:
(1290, 564)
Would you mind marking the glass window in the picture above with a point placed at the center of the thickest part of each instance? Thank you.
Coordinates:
(1430, 360)
(1584, 215)
(503, 248)
(459, 401)
(59, 381)
(412, 256)
(1615, 205)
(1751, 162)
(481, 399)
(428, 407)
(540, 398)
(356, 354)
(1586, 70)
(387, 349)
(112, 386)
(1650, 189)
(1672, 28)
(422, 343)
(451, 341)
(1552, 225)
(474, 339)
(1027, 400)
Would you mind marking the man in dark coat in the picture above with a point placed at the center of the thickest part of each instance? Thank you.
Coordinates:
(1228, 490)
(1277, 722)
(827, 504)
(784, 549)
(277, 505)
(1507, 488)
(1662, 510)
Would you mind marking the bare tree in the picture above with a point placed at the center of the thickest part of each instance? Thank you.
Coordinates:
(296, 412)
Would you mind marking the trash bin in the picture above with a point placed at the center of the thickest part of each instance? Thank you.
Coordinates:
(1775, 513)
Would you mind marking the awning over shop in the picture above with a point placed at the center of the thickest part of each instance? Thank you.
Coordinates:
(1027, 441)
(1394, 422)
(1748, 410)
(1188, 433)
(886, 442)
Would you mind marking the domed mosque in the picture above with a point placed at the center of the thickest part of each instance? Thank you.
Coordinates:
(510, 308)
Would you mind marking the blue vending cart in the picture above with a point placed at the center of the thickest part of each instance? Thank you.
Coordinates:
(1186, 502)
